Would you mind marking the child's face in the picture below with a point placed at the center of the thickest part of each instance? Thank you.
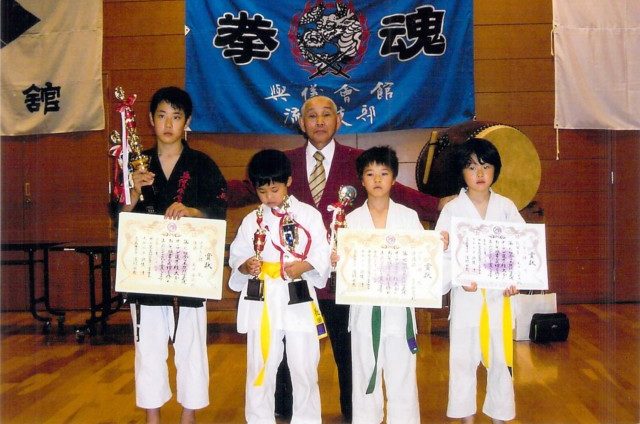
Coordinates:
(478, 176)
(377, 179)
(168, 123)
(272, 195)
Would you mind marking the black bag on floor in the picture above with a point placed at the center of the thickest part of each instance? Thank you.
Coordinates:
(549, 328)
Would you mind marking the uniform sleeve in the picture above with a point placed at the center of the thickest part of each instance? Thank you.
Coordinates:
(413, 222)
(425, 205)
(513, 215)
(241, 249)
(212, 190)
(444, 224)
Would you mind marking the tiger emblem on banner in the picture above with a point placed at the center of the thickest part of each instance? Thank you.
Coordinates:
(328, 38)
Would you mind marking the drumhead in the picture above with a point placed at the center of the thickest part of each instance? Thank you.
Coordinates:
(521, 170)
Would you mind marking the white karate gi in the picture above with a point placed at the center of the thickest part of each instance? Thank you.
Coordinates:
(190, 356)
(295, 322)
(464, 342)
(394, 356)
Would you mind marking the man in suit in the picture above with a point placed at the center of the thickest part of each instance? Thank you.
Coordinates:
(316, 181)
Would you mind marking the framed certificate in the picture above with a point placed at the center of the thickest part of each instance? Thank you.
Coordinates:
(498, 254)
(183, 257)
(389, 268)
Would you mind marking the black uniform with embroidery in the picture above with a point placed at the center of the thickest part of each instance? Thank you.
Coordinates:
(195, 182)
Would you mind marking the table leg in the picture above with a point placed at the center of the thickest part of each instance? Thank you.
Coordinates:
(92, 292)
(33, 302)
(45, 263)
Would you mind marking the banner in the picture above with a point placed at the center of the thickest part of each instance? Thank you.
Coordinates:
(387, 65)
(51, 64)
(597, 66)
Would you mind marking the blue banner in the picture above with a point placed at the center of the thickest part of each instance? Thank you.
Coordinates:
(387, 65)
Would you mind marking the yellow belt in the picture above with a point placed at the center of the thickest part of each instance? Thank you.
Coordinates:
(507, 331)
(272, 269)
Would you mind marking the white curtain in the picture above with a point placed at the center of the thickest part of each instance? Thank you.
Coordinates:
(51, 79)
(597, 64)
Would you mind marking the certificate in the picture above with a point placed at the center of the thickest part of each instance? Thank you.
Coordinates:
(183, 257)
(389, 268)
(496, 255)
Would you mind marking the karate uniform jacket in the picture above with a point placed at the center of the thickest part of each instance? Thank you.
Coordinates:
(466, 306)
(196, 181)
(282, 316)
(393, 318)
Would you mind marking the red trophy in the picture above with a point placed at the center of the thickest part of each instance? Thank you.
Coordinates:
(127, 149)
(255, 286)
(346, 196)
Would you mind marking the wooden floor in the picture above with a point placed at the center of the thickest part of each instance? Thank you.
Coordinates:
(592, 378)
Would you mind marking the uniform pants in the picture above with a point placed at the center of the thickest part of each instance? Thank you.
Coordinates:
(464, 358)
(190, 356)
(303, 355)
(398, 365)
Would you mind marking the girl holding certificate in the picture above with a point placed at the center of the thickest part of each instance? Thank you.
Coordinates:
(480, 318)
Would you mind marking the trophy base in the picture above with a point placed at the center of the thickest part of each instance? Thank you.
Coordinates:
(298, 292)
(255, 290)
(332, 282)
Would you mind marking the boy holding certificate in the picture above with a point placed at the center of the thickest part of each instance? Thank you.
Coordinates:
(279, 255)
(383, 338)
(480, 319)
(179, 182)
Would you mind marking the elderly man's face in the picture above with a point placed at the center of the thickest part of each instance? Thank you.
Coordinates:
(319, 121)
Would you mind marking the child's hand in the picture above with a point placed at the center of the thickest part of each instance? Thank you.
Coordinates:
(471, 287)
(334, 259)
(444, 236)
(177, 210)
(295, 269)
(510, 291)
(251, 267)
(140, 179)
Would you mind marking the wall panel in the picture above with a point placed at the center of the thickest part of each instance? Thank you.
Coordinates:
(148, 52)
(144, 49)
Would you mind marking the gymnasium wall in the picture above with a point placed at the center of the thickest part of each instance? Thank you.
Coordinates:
(592, 248)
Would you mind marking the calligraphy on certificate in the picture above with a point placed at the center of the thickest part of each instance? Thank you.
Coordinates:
(177, 257)
(498, 254)
(389, 268)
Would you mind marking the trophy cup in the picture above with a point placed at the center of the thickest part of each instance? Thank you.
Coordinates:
(130, 141)
(255, 286)
(298, 289)
(346, 196)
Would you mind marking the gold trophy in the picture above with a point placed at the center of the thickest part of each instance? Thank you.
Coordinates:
(255, 286)
(137, 160)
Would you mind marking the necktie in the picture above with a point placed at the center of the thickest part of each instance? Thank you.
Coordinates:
(317, 179)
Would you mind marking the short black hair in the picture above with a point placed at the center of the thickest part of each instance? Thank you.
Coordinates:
(176, 97)
(269, 166)
(382, 155)
(484, 150)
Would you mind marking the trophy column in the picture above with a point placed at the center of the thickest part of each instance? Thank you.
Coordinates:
(255, 286)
